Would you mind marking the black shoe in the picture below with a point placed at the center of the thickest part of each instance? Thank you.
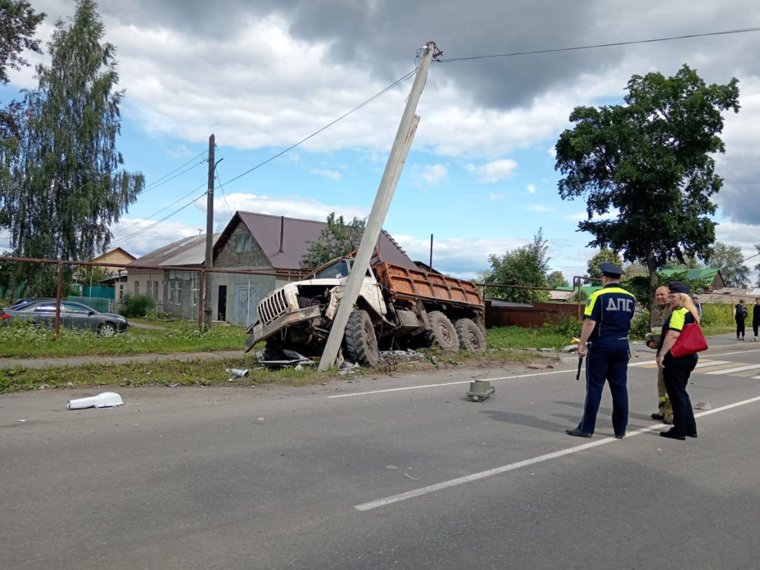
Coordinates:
(694, 435)
(670, 434)
(657, 416)
(621, 436)
(667, 422)
(577, 433)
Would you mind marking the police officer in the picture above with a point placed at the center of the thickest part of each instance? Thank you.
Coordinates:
(604, 339)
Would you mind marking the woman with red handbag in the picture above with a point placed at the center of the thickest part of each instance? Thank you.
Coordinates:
(678, 370)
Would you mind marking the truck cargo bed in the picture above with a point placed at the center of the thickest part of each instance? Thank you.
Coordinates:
(412, 284)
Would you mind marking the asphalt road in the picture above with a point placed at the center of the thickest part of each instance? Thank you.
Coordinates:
(398, 472)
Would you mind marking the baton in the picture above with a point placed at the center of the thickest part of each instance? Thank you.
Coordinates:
(580, 363)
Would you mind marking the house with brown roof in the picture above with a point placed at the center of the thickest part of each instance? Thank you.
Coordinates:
(170, 276)
(261, 251)
(271, 246)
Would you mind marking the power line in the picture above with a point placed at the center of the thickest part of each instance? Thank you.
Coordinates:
(143, 230)
(611, 44)
(224, 194)
(327, 126)
(163, 180)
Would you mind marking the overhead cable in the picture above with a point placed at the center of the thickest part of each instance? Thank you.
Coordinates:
(595, 46)
(327, 126)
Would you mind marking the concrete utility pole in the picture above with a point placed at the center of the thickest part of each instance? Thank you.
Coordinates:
(380, 207)
(209, 234)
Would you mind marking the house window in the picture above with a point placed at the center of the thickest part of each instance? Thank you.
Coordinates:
(173, 292)
(242, 243)
(137, 288)
(155, 291)
(196, 290)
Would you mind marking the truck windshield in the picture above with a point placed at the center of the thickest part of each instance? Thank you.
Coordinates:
(334, 271)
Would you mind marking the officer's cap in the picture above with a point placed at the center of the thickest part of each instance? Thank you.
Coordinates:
(610, 270)
(677, 287)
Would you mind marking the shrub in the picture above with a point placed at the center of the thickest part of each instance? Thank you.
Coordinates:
(640, 324)
(137, 306)
(565, 326)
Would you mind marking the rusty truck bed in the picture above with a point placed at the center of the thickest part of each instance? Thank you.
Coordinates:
(412, 284)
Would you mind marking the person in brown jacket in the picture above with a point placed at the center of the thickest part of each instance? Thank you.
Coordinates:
(660, 313)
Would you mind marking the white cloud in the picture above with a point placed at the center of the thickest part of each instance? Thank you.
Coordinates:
(540, 208)
(493, 171)
(327, 173)
(433, 174)
(531, 188)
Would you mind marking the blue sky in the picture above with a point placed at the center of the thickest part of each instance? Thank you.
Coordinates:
(480, 177)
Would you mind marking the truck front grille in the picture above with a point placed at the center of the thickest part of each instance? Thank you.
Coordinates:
(272, 306)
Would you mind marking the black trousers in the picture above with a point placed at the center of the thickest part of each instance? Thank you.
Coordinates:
(739, 328)
(677, 372)
(755, 326)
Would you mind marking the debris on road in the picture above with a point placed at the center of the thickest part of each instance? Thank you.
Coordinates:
(102, 400)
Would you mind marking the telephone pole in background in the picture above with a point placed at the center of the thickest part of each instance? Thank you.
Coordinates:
(399, 150)
(209, 263)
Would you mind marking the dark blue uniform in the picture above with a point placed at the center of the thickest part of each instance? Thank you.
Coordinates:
(612, 309)
(677, 372)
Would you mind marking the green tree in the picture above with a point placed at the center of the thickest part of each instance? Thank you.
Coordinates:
(649, 163)
(730, 261)
(523, 267)
(556, 279)
(69, 186)
(757, 267)
(336, 239)
(604, 255)
(17, 24)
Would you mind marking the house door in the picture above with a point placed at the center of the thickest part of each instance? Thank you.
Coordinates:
(246, 299)
(221, 304)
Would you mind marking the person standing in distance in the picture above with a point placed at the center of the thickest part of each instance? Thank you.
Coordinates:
(660, 313)
(604, 340)
(755, 318)
(740, 313)
(678, 369)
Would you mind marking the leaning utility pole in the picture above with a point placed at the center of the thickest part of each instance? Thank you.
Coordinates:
(379, 209)
(209, 264)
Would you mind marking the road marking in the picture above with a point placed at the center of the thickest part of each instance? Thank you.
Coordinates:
(525, 463)
(737, 369)
(354, 394)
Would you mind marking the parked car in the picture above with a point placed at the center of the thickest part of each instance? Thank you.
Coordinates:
(73, 315)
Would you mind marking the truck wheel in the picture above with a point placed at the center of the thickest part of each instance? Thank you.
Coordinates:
(361, 341)
(442, 333)
(470, 336)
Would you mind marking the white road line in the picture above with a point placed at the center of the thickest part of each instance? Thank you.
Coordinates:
(513, 466)
(709, 363)
(423, 386)
(732, 370)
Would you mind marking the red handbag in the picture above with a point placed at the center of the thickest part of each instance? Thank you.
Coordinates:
(690, 341)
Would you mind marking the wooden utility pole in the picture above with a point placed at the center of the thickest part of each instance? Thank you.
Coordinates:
(379, 209)
(209, 263)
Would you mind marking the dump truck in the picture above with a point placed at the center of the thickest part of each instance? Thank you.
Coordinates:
(397, 308)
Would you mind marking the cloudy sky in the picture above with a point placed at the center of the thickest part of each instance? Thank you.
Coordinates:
(263, 75)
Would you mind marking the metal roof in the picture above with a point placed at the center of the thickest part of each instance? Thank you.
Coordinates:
(296, 236)
(187, 251)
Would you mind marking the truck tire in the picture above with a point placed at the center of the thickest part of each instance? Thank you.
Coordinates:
(442, 333)
(470, 336)
(361, 341)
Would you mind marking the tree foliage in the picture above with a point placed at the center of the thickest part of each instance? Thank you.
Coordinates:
(17, 24)
(523, 267)
(337, 239)
(730, 261)
(646, 167)
(68, 186)
(556, 279)
(757, 267)
(604, 255)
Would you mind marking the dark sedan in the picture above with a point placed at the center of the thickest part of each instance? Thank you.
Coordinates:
(73, 315)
